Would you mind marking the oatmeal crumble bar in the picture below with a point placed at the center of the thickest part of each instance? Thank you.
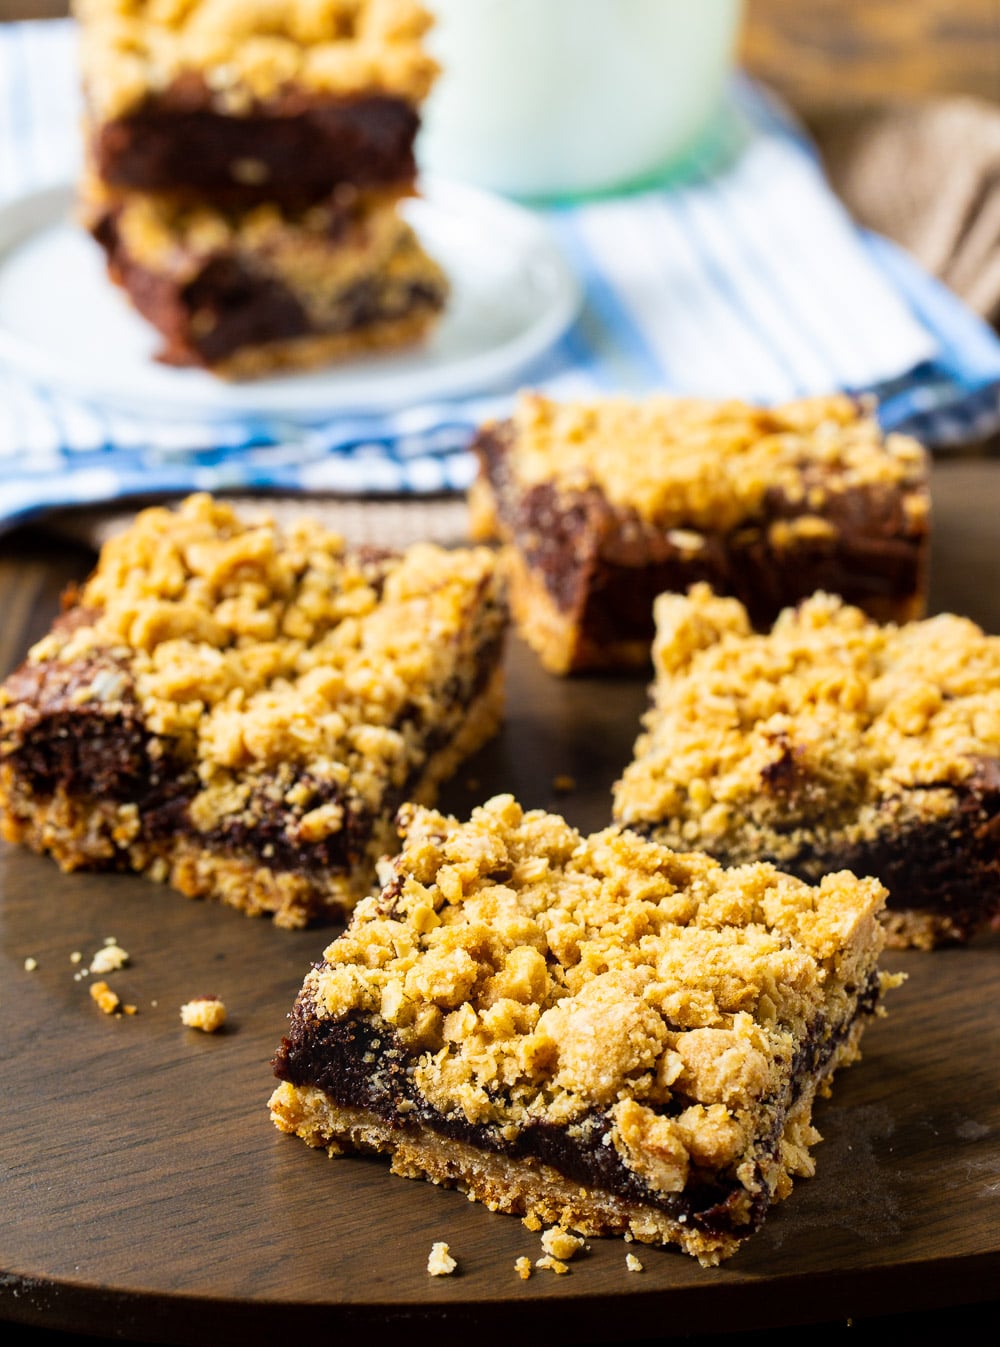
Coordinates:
(248, 292)
(245, 164)
(239, 710)
(608, 503)
(830, 742)
(240, 101)
(593, 1032)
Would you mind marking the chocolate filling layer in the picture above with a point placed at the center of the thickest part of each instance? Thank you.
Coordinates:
(361, 1064)
(946, 867)
(603, 566)
(292, 150)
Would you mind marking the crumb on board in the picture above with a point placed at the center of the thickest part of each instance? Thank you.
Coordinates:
(564, 784)
(76, 957)
(109, 958)
(207, 1013)
(553, 1264)
(632, 1263)
(107, 1000)
(30, 964)
(531, 1222)
(440, 1263)
(522, 1266)
(561, 1243)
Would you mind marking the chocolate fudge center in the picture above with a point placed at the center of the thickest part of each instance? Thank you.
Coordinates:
(290, 150)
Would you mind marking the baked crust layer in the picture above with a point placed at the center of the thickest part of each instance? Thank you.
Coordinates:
(608, 504)
(239, 710)
(830, 742)
(597, 1030)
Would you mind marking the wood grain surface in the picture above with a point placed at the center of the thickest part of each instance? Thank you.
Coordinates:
(146, 1194)
(833, 53)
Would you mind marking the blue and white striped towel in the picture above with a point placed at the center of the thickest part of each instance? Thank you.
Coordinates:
(747, 281)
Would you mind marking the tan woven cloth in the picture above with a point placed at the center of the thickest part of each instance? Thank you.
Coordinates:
(928, 176)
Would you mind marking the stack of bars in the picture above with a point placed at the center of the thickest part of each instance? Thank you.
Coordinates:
(246, 160)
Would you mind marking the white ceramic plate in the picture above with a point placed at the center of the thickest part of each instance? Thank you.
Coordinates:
(65, 325)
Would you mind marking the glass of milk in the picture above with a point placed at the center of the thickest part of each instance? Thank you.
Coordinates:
(562, 97)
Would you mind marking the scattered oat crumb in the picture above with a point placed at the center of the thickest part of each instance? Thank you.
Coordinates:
(130, 1010)
(106, 999)
(560, 1243)
(628, 1237)
(632, 1263)
(207, 1013)
(564, 784)
(440, 1263)
(109, 959)
(154, 1004)
(75, 957)
(111, 940)
(522, 1266)
(30, 964)
(553, 1264)
(531, 1221)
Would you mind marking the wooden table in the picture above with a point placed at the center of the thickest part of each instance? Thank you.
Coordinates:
(145, 1191)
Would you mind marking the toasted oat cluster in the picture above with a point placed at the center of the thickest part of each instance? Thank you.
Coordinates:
(829, 741)
(705, 465)
(264, 700)
(524, 1005)
(251, 49)
(207, 1013)
(610, 502)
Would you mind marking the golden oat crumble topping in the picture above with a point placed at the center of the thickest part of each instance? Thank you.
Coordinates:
(248, 51)
(255, 650)
(705, 464)
(321, 268)
(540, 975)
(815, 724)
(310, 247)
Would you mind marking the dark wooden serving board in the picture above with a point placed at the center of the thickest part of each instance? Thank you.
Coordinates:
(144, 1191)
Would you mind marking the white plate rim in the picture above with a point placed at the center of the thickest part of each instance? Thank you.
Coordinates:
(302, 398)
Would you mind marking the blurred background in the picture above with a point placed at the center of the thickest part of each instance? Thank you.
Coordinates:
(834, 51)
(903, 100)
